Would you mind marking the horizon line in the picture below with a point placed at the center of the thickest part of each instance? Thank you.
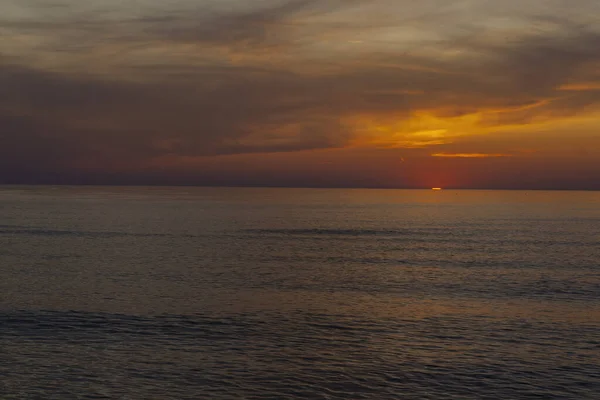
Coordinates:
(134, 185)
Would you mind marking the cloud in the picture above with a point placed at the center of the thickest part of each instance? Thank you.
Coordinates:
(470, 155)
(578, 87)
(112, 88)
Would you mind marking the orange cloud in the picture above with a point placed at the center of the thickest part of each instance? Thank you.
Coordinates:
(580, 87)
(469, 155)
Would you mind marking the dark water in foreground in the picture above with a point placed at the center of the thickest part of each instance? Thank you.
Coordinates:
(190, 293)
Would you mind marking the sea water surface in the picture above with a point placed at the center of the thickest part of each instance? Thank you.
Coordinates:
(230, 293)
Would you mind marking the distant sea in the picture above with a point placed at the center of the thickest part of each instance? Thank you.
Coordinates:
(230, 293)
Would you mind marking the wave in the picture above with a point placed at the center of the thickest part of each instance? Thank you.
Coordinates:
(68, 354)
(342, 232)
(77, 233)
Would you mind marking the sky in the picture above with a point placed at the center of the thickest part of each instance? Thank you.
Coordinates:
(313, 93)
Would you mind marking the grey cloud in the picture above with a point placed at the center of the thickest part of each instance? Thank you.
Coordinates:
(72, 119)
(250, 28)
(199, 23)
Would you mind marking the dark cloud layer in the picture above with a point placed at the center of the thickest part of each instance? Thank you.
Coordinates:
(256, 81)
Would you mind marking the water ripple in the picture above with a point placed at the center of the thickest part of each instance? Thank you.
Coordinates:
(307, 355)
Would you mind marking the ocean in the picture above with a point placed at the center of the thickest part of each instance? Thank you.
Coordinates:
(248, 293)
